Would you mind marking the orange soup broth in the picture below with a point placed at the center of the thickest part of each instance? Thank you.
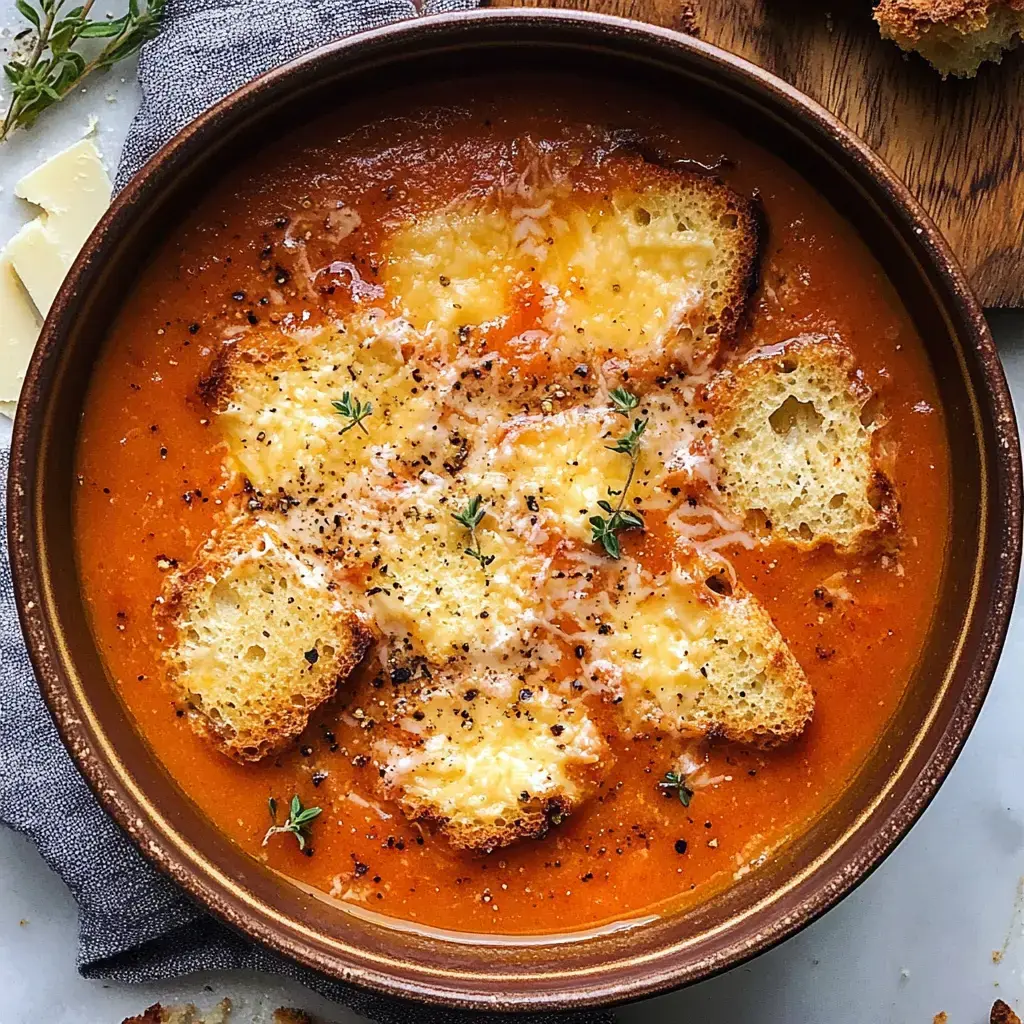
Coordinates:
(152, 486)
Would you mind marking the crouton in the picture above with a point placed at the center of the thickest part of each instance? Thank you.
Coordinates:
(273, 393)
(955, 36)
(487, 759)
(261, 638)
(1003, 1014)
(794, 450)
(184, 1014)
(444, 601)
(655, 274)
(694, 653)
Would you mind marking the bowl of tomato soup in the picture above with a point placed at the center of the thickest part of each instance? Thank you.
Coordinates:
(507, 465)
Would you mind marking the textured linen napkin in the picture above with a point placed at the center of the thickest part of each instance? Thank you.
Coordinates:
(134, 924)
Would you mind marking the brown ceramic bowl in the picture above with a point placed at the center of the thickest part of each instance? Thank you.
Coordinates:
(911, 758)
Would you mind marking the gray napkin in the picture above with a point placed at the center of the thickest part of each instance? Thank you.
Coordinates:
(134, 924)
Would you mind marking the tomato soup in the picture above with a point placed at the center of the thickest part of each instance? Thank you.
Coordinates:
(154, 484)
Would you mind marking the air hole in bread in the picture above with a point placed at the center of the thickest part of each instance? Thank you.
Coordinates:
(719, 584)
(795, 415)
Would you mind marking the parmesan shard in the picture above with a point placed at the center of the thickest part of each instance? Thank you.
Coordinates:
(73, 190)
(19, 328)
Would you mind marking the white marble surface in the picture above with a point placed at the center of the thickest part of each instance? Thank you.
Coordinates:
(915, 939)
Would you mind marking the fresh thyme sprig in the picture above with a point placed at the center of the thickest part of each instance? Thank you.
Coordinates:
(297, 823)
(54, 66)
(606, 530)
(624, 401)
(471, 517)
(354, 411)
(674, 783)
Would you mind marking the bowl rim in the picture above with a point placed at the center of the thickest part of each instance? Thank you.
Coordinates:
(197, 876)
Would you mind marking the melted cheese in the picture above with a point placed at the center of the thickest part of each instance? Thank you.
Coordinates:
(453, 267)
(548, 473)
(551, 471)
(655, 642)
(441, 597)
(493, 766)
(627, 274)
(283, 430)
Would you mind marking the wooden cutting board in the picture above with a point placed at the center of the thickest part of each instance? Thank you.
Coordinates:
(959, 145)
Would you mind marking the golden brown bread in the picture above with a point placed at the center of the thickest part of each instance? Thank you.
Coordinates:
(1002, 1014)
(259, 638)
(795, 449)
(656, 274)
(649, 274)
(694, 653)
(486, 758)
(184, 1014)
(272, 393)
(954, 36)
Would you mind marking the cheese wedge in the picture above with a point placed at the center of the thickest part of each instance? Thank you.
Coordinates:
(19, 328)
(73, 190)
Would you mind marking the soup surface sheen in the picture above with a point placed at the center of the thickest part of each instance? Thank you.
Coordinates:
(153, 485)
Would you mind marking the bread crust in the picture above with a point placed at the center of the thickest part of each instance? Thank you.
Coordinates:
(1003, 1014)
(954, 36)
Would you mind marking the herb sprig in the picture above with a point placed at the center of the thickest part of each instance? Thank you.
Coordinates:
(674, 783)
(471, 517)
(54, 66)
(354, 411)
(297, 823)
(606, 530)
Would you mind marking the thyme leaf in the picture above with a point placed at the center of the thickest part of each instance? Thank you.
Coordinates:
(606, 529)
(297, 823)
(623, 401)
(54, 66)
(354, 411)
(471, 517)
(675, 784)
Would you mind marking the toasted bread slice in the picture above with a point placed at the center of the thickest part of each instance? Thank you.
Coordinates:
(955, 36)
(694, 653)
(273, 393)
(655, 274)
(546, 475)
(795, 450)
(644, 266)
(438, 597)
(488, 760)
(261, 638)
